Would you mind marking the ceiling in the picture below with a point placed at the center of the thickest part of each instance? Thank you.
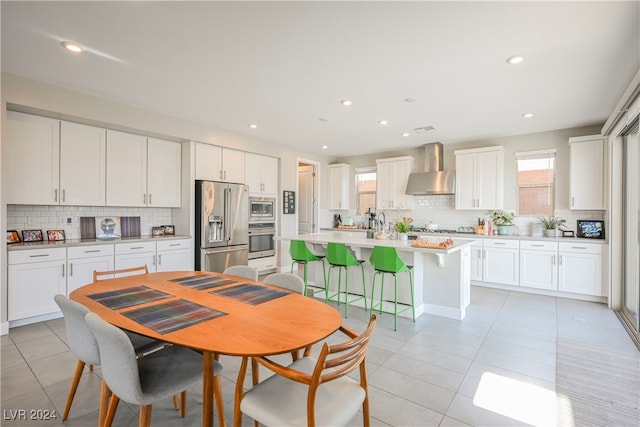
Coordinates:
(285, 66)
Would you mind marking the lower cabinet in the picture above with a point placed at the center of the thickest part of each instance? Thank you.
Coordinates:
(580, 268)
(264, 265)
(83, 260)
(500, 261)
(476, 261)
(35, 276)
(135, 254)
(539, 264)
(174, 255)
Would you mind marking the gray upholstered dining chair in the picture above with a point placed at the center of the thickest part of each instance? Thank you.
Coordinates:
(312, 391)
(288, 281)
(147, 380)
(242, 271)
(85, 347)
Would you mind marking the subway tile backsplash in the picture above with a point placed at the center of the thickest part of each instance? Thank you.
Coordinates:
(27, 217)
(440, 209)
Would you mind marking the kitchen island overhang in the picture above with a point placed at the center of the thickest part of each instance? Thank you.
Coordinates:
(442, 277)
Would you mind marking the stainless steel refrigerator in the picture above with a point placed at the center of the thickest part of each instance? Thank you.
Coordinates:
(222, 230)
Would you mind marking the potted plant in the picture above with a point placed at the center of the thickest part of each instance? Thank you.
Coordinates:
(503, 220)
(402, 227)
(550, 224)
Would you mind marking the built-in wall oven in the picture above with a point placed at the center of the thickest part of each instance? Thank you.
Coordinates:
(261, 243)
(262, 209)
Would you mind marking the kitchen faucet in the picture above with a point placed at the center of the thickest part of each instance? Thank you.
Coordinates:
(381, 221)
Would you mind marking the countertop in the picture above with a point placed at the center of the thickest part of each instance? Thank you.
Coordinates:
(46, 244)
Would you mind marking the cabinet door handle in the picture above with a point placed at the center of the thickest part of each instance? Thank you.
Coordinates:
(62, 270)
(499, 243)
(38, 256)
(150, 199)
(225, 174)
(154, 260)
(159, 259)
(174, 244)
(561, 259)
(137, 247)
(92, 251)
(578, 247)
(70, 269)
(572, 201)
(55, 195)
(144, 198)
(553, 262)
(538, 246)
(64, 195)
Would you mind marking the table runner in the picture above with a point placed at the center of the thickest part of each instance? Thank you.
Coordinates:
(250, 294)
(128, 297)
(173, 315)
(200, 282)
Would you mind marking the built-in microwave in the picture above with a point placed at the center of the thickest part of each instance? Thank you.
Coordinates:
(262, 209)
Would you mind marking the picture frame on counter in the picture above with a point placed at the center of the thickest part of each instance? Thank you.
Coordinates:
(169, 230)
(157, 231)
(32, 236)
(13, 237)
(591, 229)
(56, 235)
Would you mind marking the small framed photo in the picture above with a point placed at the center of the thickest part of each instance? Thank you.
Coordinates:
(13, 236)
(591, 229)
(32, 236)
(55, 235)
(169, 230)
(157, 231)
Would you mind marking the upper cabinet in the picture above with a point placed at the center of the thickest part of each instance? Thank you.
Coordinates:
(391, 183)
(339, 186)
(219, 164)
(261, 174)
(586, 172)
(142, 171)
(480, 178)
(54, 163)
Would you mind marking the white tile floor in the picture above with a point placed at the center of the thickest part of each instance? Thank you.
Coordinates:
(494, 368)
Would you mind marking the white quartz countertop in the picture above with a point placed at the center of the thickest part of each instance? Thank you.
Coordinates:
(356, 239)
(85, 242)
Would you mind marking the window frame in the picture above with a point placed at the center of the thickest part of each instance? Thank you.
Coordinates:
(550, 153)
(361, 171)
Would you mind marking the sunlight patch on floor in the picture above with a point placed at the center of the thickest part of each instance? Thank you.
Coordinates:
(527, 403)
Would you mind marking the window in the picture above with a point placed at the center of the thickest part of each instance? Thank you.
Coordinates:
(365, 189)
(536, 182)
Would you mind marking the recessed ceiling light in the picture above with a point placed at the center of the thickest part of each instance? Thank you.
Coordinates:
(71, 46)
(527, 115)
(253, 126)
(405, 134)
(409, 100)
(383, 122)
(324, 147)
(346, 102)
(515, 59)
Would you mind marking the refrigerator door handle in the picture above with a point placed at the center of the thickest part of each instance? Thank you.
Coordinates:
(227, 213)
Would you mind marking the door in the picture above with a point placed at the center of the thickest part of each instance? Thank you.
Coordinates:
(237, 221)
(306, 199)
(631, 231)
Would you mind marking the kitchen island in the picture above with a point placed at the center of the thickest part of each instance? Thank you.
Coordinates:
(441, 276)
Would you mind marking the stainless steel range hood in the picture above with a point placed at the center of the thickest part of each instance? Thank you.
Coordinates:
(434, 180)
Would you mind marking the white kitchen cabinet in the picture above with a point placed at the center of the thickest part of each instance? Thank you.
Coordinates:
(476, 261)
(219, 164)
(82, 164)
(539, 264)
(142, 171)
(83, 260)
(135, 254)
(35, 276)
(163, 173)
(174, 255)
(339, 178)
(586, 172)
(32, 159)
(500, 261)
(264, 265)
(580, 268)
(480, 178)
(261, 174)
(391, 183)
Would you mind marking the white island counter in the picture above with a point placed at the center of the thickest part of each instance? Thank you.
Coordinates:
(441, 276)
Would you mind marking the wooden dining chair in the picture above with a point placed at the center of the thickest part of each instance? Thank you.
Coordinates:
(149, 379)
(84, 346)
(242, 271)
(312, 391)
(110, 274)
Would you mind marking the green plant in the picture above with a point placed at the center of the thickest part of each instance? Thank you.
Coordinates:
(403, 225)
(502, 217)
(550, 222)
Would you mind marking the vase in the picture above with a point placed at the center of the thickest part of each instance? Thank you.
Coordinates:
(403, 236)
(550, 232)
(505, 230)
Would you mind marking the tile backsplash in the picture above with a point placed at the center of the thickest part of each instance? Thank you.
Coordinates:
(26, 217)
(441, 210)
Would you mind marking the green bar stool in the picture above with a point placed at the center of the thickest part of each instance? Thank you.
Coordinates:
(385, 260)
(300, 254)
(340, 257)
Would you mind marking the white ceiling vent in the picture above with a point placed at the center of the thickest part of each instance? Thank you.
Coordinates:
(424, 129)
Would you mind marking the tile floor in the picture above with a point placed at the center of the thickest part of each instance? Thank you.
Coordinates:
(494, 368)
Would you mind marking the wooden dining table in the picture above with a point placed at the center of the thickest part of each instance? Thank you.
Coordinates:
(214, 314)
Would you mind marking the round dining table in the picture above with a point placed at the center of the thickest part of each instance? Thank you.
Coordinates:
(214, 314)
